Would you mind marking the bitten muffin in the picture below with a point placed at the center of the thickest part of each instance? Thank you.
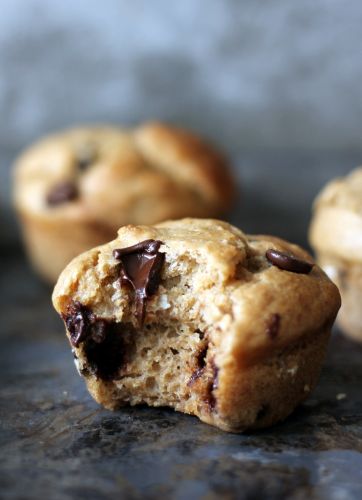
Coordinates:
(336, 236)
(197, 316)
(73, 190)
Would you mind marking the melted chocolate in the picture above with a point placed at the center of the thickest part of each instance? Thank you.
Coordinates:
(273, 326)
(208, 372)
(104, 346)
(106, 358)
(61, 193)
(82, 323)
(288, 262)
(141, 266)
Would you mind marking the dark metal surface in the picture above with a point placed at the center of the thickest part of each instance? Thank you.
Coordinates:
(57, 443)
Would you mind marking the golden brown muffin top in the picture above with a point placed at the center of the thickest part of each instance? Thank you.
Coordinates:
(117, 176)
(227, 281)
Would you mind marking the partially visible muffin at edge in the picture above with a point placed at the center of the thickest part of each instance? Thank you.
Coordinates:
(336, 236)
(74, 189)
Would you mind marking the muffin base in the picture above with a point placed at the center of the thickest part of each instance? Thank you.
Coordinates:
(52, 245)
(251, 397)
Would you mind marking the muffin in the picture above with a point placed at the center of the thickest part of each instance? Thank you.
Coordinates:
(195, 315)
(73, 190)
(336, 236)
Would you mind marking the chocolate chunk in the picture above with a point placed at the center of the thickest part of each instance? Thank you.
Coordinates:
(61, 193)
(98, 329)
(106, 357)
(85, 156)
(273, 326)
(207, 372)
(104, 345)
(82, 323)
(77, 322)
(288, 262)
(141, 266)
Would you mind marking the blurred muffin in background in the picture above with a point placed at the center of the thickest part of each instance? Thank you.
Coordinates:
(336, 236)
(73, 190)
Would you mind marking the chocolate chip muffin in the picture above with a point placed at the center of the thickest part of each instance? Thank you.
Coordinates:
(73, 190)
(336, 236)
(197, 316)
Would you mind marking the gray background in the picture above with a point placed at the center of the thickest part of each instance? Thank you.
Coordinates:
(276, 84)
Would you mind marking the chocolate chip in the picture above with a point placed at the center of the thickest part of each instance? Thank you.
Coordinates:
(207, 372)
(61, 193)
(85, 156)
(273, 326)
(99, 328)
(105, 348)
(77, 322)
(141, 266)
(105, 358)
(81, 323)
(288, 262)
